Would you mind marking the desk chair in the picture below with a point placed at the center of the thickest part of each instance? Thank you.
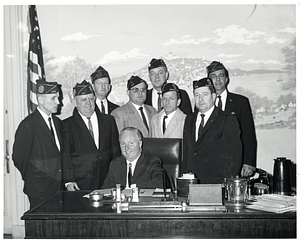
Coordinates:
(170, 151)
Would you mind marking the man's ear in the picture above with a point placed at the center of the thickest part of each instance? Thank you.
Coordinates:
(178, 102)
(167, 75)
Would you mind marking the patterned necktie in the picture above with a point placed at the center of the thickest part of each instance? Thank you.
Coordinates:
(220, 102)
(90, 127)
(144, 117)
(129, 174)
(159, 102)
(164, 124)
(51, 128)
(201, 125)
(102, 107)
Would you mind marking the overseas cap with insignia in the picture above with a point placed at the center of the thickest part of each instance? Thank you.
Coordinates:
(202, 83)
(154, 63)
(135, 80)
(44, 87)
(169, 87)
(214, 66)
(83, 88)
(100, 72)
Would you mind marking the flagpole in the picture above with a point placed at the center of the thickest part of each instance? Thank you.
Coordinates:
(35, 67)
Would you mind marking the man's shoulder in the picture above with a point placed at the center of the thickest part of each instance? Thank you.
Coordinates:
(237, 97)
(121, 108)
(149, 107)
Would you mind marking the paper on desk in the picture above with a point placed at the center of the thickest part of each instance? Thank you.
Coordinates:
(274, 203)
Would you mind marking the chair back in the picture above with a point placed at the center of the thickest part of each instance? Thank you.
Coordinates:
(170, 151)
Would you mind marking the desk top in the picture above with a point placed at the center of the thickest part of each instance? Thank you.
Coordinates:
(72, 205)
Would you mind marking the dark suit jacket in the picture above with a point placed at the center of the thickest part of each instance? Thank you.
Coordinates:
(218, 151)
(111, 106)
(37, 157)
(185, 104)
(240, 106)
(83, 163)
(147, 173)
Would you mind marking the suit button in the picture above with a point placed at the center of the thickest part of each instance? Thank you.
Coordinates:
(195, 154)
(59, 170)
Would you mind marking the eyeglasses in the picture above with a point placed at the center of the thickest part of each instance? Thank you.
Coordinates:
(138, 90)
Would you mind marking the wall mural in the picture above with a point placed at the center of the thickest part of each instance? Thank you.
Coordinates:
(255, 42)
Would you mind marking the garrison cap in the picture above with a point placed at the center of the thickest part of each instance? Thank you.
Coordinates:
(214, 66)
(135, 80)
(202, 82)
(44, 87)
(83, 88)
(169, 87)
(154, 63)
(100, 72)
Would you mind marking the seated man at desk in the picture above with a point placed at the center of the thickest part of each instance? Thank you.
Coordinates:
(135, 167)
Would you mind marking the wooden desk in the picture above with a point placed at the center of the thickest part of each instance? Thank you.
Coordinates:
(69, 215)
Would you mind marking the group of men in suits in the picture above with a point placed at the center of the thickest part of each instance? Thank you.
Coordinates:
(94, 147)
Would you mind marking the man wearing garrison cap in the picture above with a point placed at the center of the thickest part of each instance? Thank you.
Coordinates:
(239, 106)
(135, 113)
(158, 75)
(90, 141)
(211, 138)
(169, 122)
(38, 144)
(102, 87)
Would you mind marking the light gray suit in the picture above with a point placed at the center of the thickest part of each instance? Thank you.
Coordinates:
(127, 115)
(173, 130)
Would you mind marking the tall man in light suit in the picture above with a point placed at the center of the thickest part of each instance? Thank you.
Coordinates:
(239, 106)
(135, 113)
(102, 87)
(169, 122)
(38, 144)
(90, 142)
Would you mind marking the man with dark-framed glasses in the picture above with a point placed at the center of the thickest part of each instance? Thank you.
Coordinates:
(135, 113)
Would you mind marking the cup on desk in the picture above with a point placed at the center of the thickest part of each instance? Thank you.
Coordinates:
(237, 190)
(183, 184)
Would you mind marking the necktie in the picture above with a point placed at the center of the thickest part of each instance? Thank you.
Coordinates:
(129, 174)
(159, 102)
(90, 126)
(220, 102)
(164, 124)
(144, 117)
(51, 128)
(102, 107)
(201, 125)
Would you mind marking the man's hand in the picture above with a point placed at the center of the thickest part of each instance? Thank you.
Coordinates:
(247, 170)
(72, 186)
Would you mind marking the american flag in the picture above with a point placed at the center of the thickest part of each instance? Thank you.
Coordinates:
(35, 68)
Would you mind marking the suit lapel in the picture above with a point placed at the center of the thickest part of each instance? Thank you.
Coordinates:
(172, 125)
(82, 125)
(139, 168)
(229, 103)
(136, 118)
(45, 126)
(208, 124)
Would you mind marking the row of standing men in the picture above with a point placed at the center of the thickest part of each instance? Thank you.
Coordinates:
(101, 143)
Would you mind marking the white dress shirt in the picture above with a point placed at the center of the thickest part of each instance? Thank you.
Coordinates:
(206, 117)
(46, 117)
(94, 121)
(223, 98)
(133, 164)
